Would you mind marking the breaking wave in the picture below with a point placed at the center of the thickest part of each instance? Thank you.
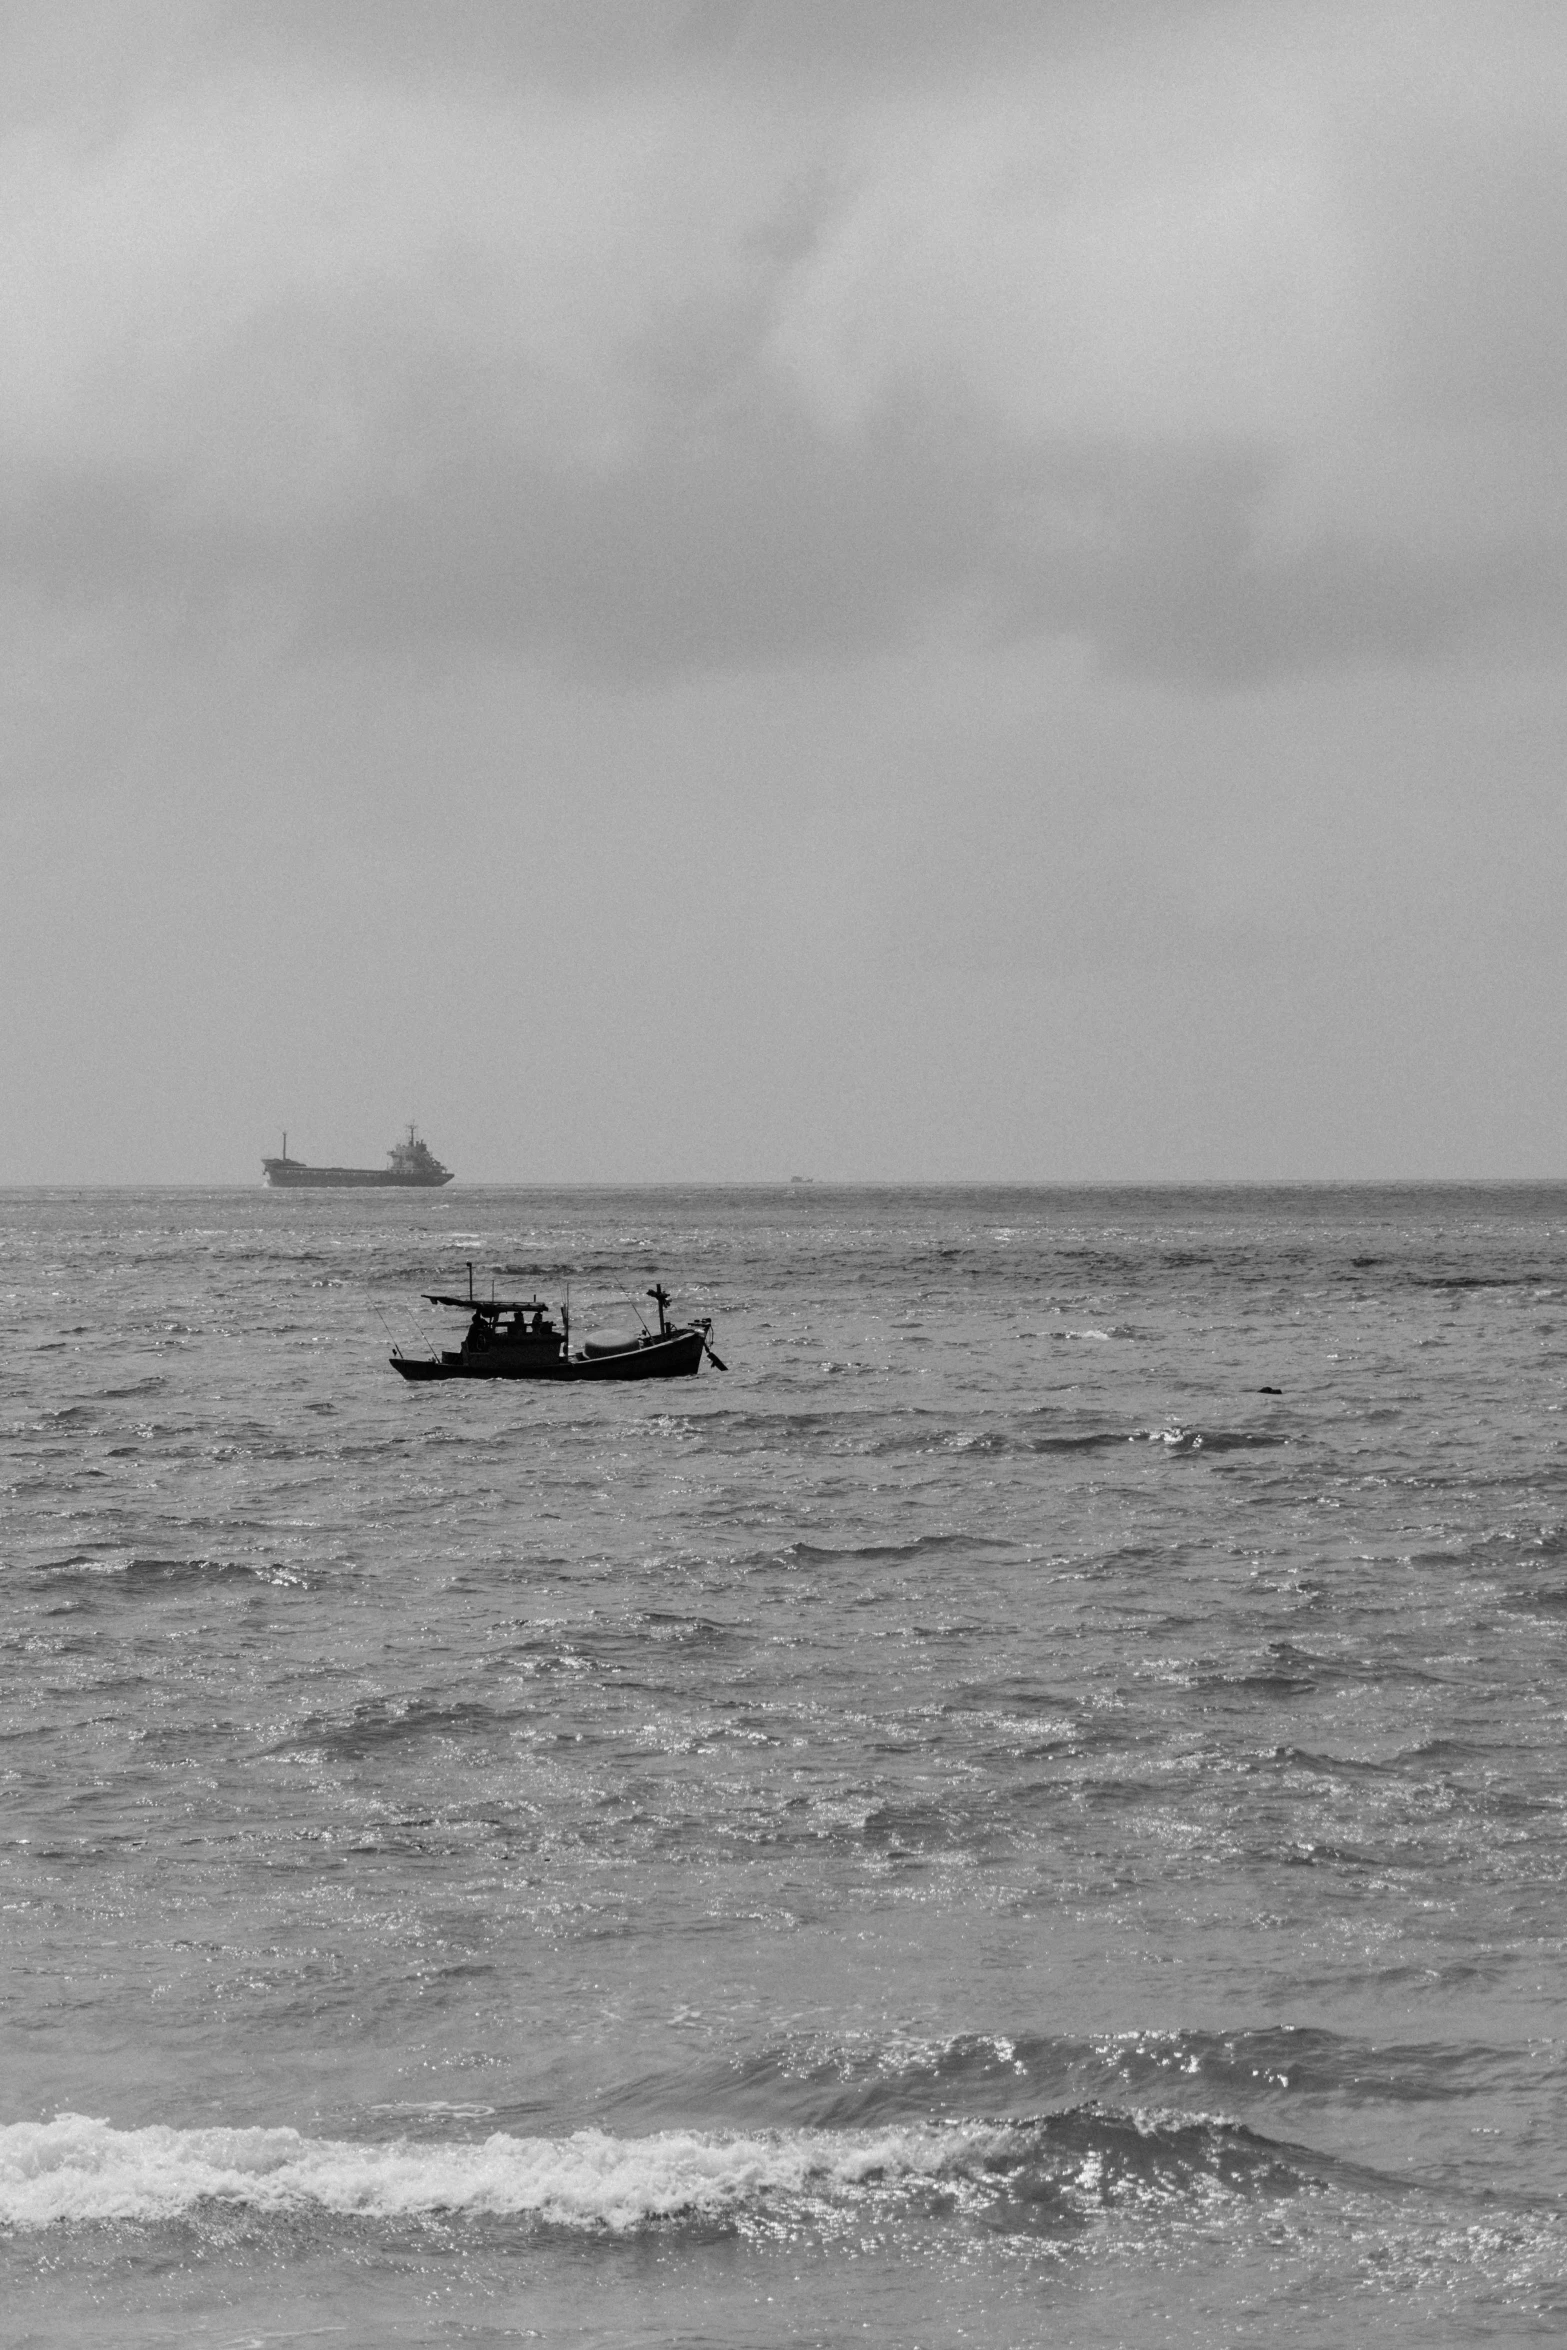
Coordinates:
(79, 2170)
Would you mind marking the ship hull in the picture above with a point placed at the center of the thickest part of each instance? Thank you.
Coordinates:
(679, 1356)
(294, 1177)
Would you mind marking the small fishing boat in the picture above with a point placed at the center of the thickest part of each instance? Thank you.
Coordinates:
(519, 1338)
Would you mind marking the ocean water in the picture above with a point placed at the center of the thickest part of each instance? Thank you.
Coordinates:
(1029, 1811)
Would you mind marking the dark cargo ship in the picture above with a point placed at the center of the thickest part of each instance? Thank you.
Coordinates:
(410, 1166)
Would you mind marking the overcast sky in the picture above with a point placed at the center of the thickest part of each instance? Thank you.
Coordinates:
(865, 588)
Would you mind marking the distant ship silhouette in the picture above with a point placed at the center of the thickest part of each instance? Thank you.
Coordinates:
(410, 1166)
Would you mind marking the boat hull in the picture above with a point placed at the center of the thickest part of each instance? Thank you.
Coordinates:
(679, 1356)
(294, 1177)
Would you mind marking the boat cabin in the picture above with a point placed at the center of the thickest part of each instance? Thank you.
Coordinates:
(514, 1325)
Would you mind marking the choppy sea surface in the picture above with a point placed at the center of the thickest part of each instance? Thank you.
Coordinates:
(1029, 1811)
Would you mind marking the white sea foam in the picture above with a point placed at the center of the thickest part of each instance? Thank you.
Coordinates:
(77, 2168)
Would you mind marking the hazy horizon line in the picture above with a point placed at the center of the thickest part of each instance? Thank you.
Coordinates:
(475, 1184)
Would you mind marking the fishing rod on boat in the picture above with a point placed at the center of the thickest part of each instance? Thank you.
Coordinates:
(425, 1338)
(397, 1344)
(422, 1337)
(635, 1308)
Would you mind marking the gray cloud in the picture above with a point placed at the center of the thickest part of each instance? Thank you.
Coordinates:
(1075, 494)
(843, 47)
(750, 423)
(756, 538)
(763, 541)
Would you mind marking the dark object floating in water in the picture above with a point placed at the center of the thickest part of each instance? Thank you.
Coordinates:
(1270, 1391)
(518, 1338)
(410, 1166)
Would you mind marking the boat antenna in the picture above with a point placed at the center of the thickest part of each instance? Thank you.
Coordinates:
(470, 1280)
